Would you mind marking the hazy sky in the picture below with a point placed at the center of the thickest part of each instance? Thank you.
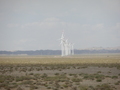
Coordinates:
(38, 24)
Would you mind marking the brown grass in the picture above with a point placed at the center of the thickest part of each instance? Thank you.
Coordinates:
(78, 59)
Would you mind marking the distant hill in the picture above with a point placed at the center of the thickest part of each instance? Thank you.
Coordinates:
(96, 51)
(37, 52)
(58, 52)
(101, 48)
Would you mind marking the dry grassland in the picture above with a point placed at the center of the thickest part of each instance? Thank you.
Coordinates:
(78, 59)
(78, 72)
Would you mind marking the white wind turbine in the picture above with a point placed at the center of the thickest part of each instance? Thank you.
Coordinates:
(62, 45)
(66, 47)
(72, 47)
(69, 49)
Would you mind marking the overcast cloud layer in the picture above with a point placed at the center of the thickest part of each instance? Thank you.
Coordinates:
(38, 24)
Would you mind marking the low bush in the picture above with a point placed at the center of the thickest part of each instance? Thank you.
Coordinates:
(114, 77)
(99, 80)
(104, 87)
(76, 80)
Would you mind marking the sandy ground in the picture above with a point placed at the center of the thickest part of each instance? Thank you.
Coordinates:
(30, 73)
(106, 71)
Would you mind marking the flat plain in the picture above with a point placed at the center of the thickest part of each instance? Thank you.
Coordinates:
(78, 72)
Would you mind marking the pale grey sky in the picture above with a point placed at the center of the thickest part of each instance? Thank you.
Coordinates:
(38, 24)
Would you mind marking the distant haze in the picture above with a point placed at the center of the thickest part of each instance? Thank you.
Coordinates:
(38, 24)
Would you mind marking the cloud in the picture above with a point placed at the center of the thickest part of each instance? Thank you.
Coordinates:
(44, 35)
(118, 26)
(47, 23)
(98, 27)
(74, 10)
(53, 19)
(112, 5)
(116, 30)
(13, 25)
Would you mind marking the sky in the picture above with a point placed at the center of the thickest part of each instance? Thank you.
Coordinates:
(38, 24)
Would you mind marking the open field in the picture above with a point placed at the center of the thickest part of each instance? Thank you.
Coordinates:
(78, 72)
(77, 59)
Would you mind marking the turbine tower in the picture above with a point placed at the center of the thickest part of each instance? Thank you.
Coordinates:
(66, 47)
(62, 45)
(72, 48)
(69, 48)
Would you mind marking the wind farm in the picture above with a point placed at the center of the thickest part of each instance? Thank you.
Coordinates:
(66, 47)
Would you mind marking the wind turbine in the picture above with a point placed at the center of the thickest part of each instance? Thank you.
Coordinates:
(62, 45)
(66, 47)
(72, 48)
(69, 48)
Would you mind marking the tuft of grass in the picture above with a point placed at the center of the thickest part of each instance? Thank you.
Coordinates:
(104, 87)
(33, 87)
(65, 85)
(19, 88)
(99, 72)
(99, 80)
(83, 87)
(49, 87)
(76, 80)
(31, 74)
(117, 83)
(114, 77)
(56, 73)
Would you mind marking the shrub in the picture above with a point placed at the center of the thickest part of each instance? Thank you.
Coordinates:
(56, 73)
(48, 87)
(83, 87)
(76, 80)
(104, 87)
(98, 80)
(117, 83)
(65, 85)
(31, 74)
(74, 88)
(19, 88)
(33, 87)
(114, 77)
(99, 72)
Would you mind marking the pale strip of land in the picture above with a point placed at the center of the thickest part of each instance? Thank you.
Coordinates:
(76, 59)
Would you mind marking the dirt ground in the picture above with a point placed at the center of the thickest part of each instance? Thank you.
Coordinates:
(59, 78)
(83, 72)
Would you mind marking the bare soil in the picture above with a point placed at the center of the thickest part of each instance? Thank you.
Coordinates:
(59, 78)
